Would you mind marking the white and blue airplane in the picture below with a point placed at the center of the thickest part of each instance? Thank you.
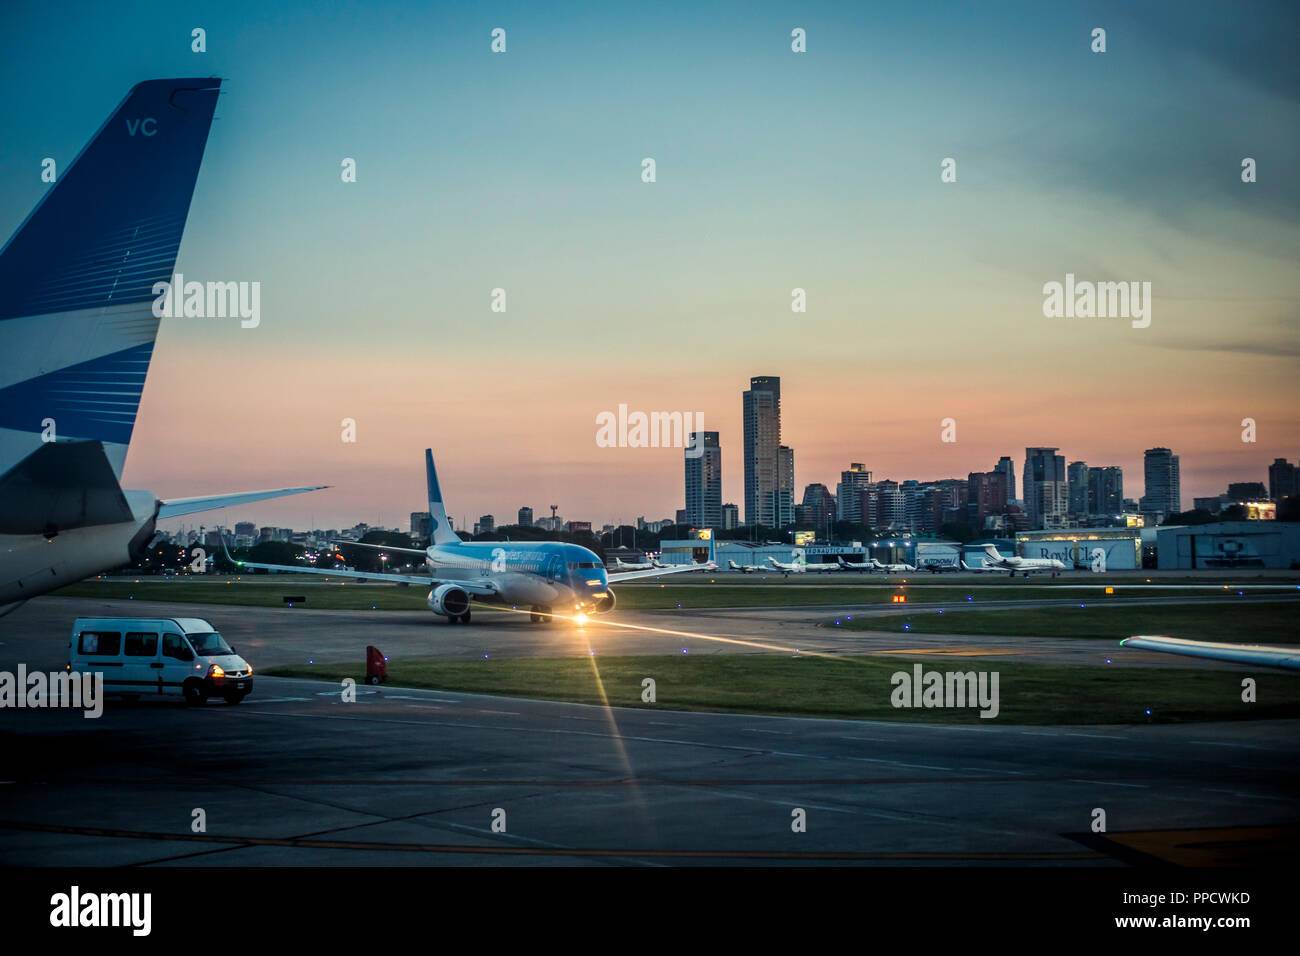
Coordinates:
(77, 331)
(548, 576)
(800, 565)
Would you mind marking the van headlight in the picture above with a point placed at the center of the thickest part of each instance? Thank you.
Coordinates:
(216, 670)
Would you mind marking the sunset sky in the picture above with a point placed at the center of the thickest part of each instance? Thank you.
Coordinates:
(775, 170)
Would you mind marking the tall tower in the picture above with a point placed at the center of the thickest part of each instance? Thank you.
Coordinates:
(704, 481)
(1047, 492)
(762, 413)
(1163, 488)
(1008, 468)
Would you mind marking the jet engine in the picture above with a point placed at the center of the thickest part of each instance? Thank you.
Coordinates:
(606, 604)
(448, 600)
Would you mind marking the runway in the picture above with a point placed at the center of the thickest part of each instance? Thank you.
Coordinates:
(38, 632)
(297, 776)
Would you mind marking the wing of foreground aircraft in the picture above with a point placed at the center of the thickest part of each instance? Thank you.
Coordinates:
(187, 506)
(1261, 654)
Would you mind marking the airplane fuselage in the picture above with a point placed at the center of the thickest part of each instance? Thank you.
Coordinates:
(545, 573)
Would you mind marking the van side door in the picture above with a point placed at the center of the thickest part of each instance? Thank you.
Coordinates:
(141, 664)
(177, 661)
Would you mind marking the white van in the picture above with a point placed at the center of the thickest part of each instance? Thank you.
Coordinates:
(179, 655)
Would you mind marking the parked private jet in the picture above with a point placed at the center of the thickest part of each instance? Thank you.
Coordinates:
(1025, 566)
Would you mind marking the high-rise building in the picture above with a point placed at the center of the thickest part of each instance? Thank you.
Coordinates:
(704, 482)
(486, 524)
(1076, 476)
(1006, 466)
(784, 485)
(890, 513)
(761, 405)
(985, 495)
(1047, 491)
(420, 525)
(1106, 490)
(247, 528)
(848, 493)
(681, 516)
(525, 517)
(1282, 481)
(1163, 492)
(818, 508)
(730, 516)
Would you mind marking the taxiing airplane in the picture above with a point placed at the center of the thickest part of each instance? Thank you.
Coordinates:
(1025, 566)
(746, 568)
(544, 575)
(984, 566)
(935, 568)
(78, 282)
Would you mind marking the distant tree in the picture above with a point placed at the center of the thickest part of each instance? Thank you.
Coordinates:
(959, 531)
(1196, 516)
(1288, 509)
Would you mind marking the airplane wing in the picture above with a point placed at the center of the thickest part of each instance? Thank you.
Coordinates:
(657, 572)
(480, 588)
(1262, 654)
(186, 506)
(378, 547)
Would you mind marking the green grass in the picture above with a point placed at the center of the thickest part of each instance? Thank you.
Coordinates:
(268, 591)
(850, 687)
(1248, 623)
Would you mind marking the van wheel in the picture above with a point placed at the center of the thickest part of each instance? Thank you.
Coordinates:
(193, 693)
(373, 680)
(233, 698)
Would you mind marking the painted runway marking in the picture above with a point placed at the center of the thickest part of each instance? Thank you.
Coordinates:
(282, 700)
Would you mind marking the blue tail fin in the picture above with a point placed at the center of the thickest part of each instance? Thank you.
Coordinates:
(439, 527)
(76, 280)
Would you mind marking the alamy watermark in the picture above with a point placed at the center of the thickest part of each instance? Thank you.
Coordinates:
(624, 429)
(1098, 300)
(83, 691)
(209, 300)
(953, 689)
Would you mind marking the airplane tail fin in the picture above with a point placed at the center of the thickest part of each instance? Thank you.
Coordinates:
(77, 278)
(992, 551)
(439, 527)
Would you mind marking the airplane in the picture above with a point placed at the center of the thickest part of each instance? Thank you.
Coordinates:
(800, 565)
(620, 566)
(746, 568)
(541, 574)
(984, 566)
(854, 565)
(1265, 655)
(892, 568)
(78, 283)
(1025, 566)
(935, 568)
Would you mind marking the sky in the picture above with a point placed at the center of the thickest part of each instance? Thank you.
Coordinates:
(775, 170)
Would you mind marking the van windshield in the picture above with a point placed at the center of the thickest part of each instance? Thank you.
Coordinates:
(209, 644)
